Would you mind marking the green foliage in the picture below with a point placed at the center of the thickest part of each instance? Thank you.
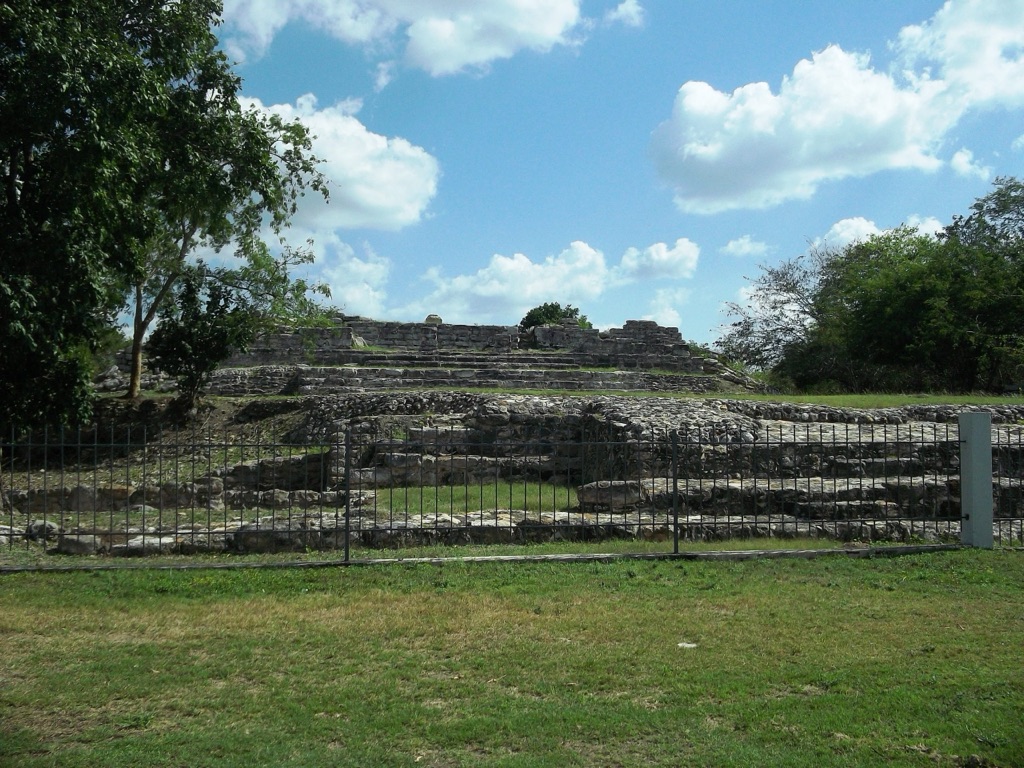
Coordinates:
(76, 100)
(110, 343)
(248, 177)
(204, 324)
(87, 86)
(900, 311)
(122, 146)
(553, 313)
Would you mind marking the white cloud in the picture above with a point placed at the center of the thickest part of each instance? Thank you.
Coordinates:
(375, 181)
(857, 229)
(837, 116)
(834, 117)
(926, 225)
(976, 48)
(963, 163)
(847, 231)
(664, 306)
(628, 12)
(504, 290)
(440, 36)
(744, 247)
(659, 261)
(443, 42)
(1018, 144)
(508, 286)
(359, 285)
(384, 75)
(250, 25)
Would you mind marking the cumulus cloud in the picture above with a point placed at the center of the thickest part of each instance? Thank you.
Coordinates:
(1018, 144)
(357, 283)
(665, 304)
(847, 231)
(439, 36)
(963, 163)
(375, 181)
(744, 247)
(508, 286)
(442, 42)
(856, 229)
(628, 12)
(837, 116)
(926, 225)
(659, 261)
(974, 47)
(250, 25)
(505, 289)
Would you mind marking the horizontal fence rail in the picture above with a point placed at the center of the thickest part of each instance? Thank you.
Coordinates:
(133, 491)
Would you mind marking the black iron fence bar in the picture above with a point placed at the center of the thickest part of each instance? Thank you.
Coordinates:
(348, 494)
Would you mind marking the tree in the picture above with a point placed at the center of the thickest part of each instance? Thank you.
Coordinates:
(553, 313)
(988, 245)
(76, 94)
(996, 220)
(780, 309)
(898, 311)
(200, 326)
(248, 176)
(105, 108)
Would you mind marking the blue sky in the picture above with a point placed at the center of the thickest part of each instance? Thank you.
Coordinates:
(636, 159)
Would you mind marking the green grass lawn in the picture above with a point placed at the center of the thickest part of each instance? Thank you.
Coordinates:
(912, 661)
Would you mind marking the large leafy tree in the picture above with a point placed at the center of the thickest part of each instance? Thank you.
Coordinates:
(988, 247)
(228, 176)
(898, 311)
(781, 307)
(120, 136)
(78, 92)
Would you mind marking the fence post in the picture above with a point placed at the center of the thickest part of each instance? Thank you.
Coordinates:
(976, 479)
(675, 491)
(348, 491)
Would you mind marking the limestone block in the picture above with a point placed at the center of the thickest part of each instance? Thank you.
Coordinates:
(84, 498)
(82, 544)
(612, 494)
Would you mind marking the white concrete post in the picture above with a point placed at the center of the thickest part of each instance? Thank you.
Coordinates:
(976, 479)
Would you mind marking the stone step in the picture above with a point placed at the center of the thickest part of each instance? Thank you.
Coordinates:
(414, 359)
(321, 380)
(411, 358)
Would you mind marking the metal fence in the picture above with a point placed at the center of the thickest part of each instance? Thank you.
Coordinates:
(134, 491)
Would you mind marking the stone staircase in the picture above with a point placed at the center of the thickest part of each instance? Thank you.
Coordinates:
(409, 370)
(364, 355)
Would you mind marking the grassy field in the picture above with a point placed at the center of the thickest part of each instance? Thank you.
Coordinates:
(912, 661)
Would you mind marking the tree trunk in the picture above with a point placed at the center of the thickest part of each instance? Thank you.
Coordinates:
(138, 333)
(135, 375)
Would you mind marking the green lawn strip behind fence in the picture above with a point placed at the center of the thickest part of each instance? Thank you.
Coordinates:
(474, 497)
(910, 661)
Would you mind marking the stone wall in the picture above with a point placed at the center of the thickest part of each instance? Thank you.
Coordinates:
(333, 345)
(639, 344)
(430, 337)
